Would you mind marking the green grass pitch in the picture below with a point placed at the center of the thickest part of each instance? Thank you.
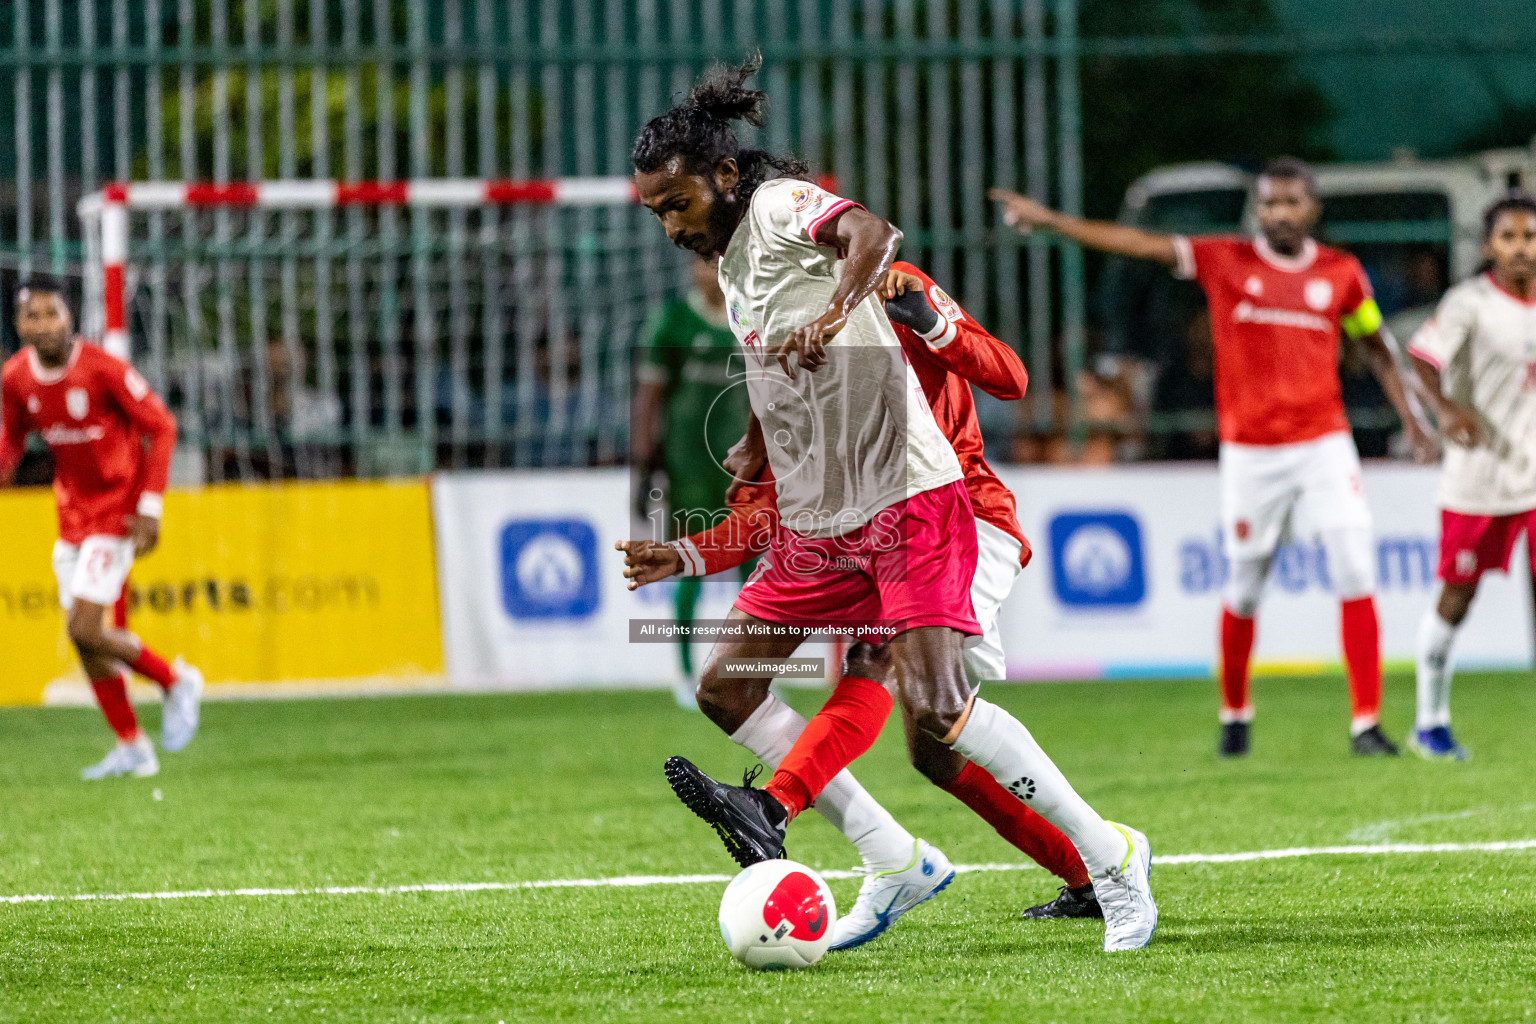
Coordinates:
(505, 788)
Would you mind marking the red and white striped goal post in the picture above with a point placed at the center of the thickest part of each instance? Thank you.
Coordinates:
(112, 204)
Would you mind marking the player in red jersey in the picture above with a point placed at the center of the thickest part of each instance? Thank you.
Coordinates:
(96, 415)
(949, 351)
(1277, 305)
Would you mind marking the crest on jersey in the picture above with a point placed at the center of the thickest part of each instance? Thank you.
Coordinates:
(948, 308)
(737, 320)
(33, 405)
(803, 198)
(1318, 293)
(78, 402)
(1254, 285)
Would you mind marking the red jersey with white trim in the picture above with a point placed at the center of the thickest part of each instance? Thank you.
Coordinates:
(95, 413)
(960, 353)
(1275, 323)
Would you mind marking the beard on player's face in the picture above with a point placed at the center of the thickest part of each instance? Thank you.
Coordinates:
(1512, 247)
(1287, 213)
(43, 322)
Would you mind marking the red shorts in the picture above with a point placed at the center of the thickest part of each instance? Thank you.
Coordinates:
(1472, 545)
(911, 565)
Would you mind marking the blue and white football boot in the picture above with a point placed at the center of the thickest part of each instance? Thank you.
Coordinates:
(885, 896)
(1437, 744)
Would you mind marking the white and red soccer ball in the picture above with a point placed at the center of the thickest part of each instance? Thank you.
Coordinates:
(777, 915)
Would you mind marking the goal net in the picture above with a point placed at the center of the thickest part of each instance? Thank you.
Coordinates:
(318, 328)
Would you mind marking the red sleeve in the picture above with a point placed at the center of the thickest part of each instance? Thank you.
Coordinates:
(965, 348)
(1200, 258)
(743, 533)
(147, 413)
(1357, 287)
(13, 433)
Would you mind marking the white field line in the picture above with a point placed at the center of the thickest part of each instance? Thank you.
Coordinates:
(629, 881)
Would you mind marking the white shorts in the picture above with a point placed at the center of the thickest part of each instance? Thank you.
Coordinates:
(94, 570)
(997, 566)
(1271, 493)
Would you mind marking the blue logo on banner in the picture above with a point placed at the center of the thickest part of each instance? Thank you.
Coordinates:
(1096, 560)
(549, 569)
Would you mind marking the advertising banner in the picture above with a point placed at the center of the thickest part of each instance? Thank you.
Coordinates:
(1129, 565)
(533, 590)
(295, 584)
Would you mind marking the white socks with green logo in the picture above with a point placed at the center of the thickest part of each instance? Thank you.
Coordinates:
(881, 841)
(999, 743)
(1435, 667)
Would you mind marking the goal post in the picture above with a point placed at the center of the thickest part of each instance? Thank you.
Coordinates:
(322, 327)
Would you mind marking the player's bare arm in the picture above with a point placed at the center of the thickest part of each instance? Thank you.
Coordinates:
(871, 243)
(746, 458)
(1385, 368)
(648, 561)
(1024, 215)
(1458, 423)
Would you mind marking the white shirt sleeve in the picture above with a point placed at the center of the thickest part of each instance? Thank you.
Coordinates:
(1184, 258)
(1438, 341)
(789, 212)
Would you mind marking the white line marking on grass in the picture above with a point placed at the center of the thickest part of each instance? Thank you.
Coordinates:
(627, 881)
(1381, 831)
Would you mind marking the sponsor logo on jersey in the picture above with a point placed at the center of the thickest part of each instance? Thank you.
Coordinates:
(78, 402)
(1318, 293)
(1097, 561)
(59, 434)
(549, 569)
(1247, 313)
(804, 198)
(947, 307)
(1254, 285)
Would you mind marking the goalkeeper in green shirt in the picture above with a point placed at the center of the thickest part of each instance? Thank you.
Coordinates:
(687, 416)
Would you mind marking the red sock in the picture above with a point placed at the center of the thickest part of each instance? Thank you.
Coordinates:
(153, 667)
(1236, 650)
(112, 695)
(1362, 657)
(1041, 841)
(847, 725)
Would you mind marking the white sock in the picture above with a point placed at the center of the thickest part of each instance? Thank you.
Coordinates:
(881, 841)
(999, 743)
(1435, 667)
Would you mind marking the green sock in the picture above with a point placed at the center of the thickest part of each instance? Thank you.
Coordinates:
(687, 600)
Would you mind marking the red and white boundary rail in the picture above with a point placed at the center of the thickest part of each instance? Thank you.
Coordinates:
(105, 213)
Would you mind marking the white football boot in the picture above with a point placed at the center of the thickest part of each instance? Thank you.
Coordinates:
(1125, 895)
(182, 708)
(887, 895)
(136, 759)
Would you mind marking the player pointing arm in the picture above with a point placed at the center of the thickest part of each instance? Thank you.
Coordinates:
(1288, 209)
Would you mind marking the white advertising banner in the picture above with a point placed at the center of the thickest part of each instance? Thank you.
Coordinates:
(1129, 565)
(532, 591)
(1125, 581)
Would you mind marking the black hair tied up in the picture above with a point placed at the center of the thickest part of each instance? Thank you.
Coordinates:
(699, 130)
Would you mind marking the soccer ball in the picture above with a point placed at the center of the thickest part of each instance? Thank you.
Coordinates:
(777, 915)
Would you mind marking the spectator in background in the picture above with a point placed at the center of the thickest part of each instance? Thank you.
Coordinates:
(687, 417)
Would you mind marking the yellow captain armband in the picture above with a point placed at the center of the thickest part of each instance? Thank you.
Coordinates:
(1365, 319)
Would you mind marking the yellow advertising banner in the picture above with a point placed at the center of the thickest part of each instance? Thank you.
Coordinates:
(272, 583)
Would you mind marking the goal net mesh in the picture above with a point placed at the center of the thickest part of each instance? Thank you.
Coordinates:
(374, 341)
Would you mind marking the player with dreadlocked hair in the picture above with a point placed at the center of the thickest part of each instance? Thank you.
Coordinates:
(875, 538)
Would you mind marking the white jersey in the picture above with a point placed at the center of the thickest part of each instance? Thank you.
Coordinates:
(857, 435)
(1483, 341)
